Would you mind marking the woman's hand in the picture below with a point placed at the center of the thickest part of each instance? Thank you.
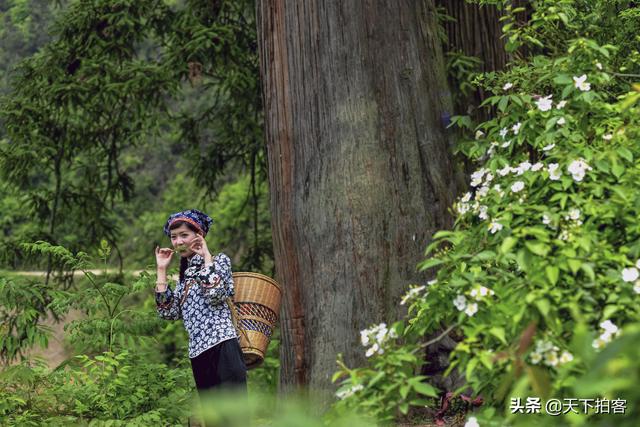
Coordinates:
(163, 257)
(199, 246)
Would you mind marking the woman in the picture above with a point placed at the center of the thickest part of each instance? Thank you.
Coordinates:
(199, 299)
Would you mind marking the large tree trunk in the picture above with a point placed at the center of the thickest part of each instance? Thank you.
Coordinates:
(356, 103)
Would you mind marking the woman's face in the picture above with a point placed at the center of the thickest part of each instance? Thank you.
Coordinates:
(181, 237)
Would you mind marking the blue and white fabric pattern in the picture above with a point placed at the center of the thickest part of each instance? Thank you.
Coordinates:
(206, 316)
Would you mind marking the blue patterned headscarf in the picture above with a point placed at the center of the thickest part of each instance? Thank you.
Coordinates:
(194, 217)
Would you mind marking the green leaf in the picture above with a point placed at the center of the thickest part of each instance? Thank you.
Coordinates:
(430, 263)
(543, 306)
(588, 270)
(376, 379)
(508, 244)
(537, 248)
(552, 273)
(502, 105)
(404, 408)
(625, 153)
(498, 333)
(485, 255)
(574, 265)
(404, 390)
(426, 389)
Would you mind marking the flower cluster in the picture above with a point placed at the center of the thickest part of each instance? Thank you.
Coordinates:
(578, 168)
(413, 293)
(377, 337)
(547, 353)
(609, 331)
(632, 274)
(343, 394)
(471, 308)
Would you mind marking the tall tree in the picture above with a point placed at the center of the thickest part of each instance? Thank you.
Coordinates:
(356, 103)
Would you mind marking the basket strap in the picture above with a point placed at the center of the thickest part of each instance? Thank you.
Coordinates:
(235, 317)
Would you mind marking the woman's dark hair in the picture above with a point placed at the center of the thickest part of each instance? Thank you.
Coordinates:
(184, 263)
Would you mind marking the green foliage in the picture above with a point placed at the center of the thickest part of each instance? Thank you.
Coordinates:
(539, 273)
(116, 78)
(107, 389)
(22, 305)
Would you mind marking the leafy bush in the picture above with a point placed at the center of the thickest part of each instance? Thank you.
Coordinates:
(540, 271)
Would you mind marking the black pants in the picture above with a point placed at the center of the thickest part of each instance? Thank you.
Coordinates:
(220, 366)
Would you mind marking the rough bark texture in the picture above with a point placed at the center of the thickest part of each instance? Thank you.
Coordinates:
(476, 32)
(356, 101)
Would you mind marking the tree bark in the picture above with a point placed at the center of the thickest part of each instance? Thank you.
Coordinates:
(356, 103)
(477, 32)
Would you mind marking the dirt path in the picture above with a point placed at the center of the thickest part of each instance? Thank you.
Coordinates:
(55, 353)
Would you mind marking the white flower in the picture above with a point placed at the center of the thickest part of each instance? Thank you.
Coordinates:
(609, 327)
(548, 147)
(488, 178)
(554, 171)
(503, 132)
(506, 144)
(476, 177)
(466, 198)
(491, 149)
(498, 190)
(479, 134)
(413, 292)
(546, 219)
(472, 422)
(349, 392)
(507, 86)
(566, 357)
(543, 346)
(636, 287)
(544, 103)
(578, 168)
(598, 66)
(551, 358)
(581, 83)
(483, 212)
(504, 171)
(536, 166)
(374, 348)
(523, 167)
(535, 358)
(561, 105)
(516, 128)
(364, 337)
(471, 309)
(482, 191)
(432, 282)
(485, 291)
(462, 208)
(460, 302)
(607, 137)
(574, 214)
(638, 263)
(599, 343)
(517, 186)
(561, 121)
(494, 227)
(564, 235)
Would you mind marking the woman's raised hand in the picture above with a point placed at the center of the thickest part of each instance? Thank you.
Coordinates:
(199, 246)
(163, 257)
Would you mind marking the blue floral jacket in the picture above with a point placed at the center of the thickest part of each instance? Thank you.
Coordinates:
(206, 316)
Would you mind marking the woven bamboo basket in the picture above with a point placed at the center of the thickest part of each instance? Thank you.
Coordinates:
(257, 300)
